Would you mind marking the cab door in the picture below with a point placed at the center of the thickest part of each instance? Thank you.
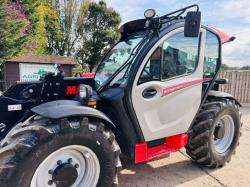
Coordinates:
(167, 90)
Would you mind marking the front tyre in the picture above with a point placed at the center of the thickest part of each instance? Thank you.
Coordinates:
(75, 152)
(215, 133)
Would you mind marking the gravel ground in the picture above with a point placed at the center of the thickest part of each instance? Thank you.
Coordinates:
(179, 170)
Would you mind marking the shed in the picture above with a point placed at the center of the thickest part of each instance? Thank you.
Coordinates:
(32, 67)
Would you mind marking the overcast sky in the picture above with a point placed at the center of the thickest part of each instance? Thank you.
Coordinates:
(232, 16)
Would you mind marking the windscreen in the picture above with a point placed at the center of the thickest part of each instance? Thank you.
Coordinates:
(116, 57)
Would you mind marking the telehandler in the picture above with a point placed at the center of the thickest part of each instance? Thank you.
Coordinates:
(155, 92)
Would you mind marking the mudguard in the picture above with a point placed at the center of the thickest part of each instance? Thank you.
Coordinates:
(213, 93)
(66, 108)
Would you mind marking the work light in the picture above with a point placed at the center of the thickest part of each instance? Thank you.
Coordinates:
(150, 13)
(85, 91)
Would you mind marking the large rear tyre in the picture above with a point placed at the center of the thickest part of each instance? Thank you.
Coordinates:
(75, 152)
(215, 133)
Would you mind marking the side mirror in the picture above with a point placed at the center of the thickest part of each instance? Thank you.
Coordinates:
(192, 24)
(222, 81)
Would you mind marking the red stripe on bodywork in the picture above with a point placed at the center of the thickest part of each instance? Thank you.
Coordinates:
(175, 88)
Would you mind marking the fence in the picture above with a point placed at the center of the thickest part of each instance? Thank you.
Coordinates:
(239, 84)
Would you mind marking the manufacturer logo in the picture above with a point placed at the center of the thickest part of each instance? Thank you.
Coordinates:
(2, 127)
(72, 90)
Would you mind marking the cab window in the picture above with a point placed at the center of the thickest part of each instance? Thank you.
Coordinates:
(211, 54)
(176, 56)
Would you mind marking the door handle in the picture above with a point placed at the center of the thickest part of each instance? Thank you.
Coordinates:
(149, 93)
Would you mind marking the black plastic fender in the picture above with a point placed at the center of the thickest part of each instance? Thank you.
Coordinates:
(213, 93)
(67, 108)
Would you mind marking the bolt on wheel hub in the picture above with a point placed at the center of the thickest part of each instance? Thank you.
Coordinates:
(219, 131)
(223, 134)
(73, 166)
(65, 175)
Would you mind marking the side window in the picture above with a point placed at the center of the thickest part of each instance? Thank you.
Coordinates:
(177, 56)
(152, 70)
(211, 54)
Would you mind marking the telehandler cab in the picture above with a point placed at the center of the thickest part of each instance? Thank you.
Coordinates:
(154, 93)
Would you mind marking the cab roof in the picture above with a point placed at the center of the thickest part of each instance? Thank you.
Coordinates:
(136, 26)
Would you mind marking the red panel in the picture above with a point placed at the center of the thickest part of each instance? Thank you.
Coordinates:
(173, 144)
(88, 75)
(225, 37)
(140, 152)
(177, 141)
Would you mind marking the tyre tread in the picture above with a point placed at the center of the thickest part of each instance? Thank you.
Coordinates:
(198, 145)
(27, 135)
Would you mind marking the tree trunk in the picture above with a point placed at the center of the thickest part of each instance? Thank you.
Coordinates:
(91, 68)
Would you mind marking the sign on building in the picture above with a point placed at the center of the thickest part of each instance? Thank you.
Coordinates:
(32, 72)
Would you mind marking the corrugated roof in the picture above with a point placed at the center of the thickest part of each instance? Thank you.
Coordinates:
(44, 59)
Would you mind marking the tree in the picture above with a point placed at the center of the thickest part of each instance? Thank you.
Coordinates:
(57, 24)
(225, 67)
(63, 37)
(99, 33)
(42, 16)
(12, 36)
(245, 68)
(47, 29)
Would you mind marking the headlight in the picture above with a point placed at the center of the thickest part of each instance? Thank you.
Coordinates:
(85, 91)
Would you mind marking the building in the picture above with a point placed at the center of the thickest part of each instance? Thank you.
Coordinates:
(32, 67)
